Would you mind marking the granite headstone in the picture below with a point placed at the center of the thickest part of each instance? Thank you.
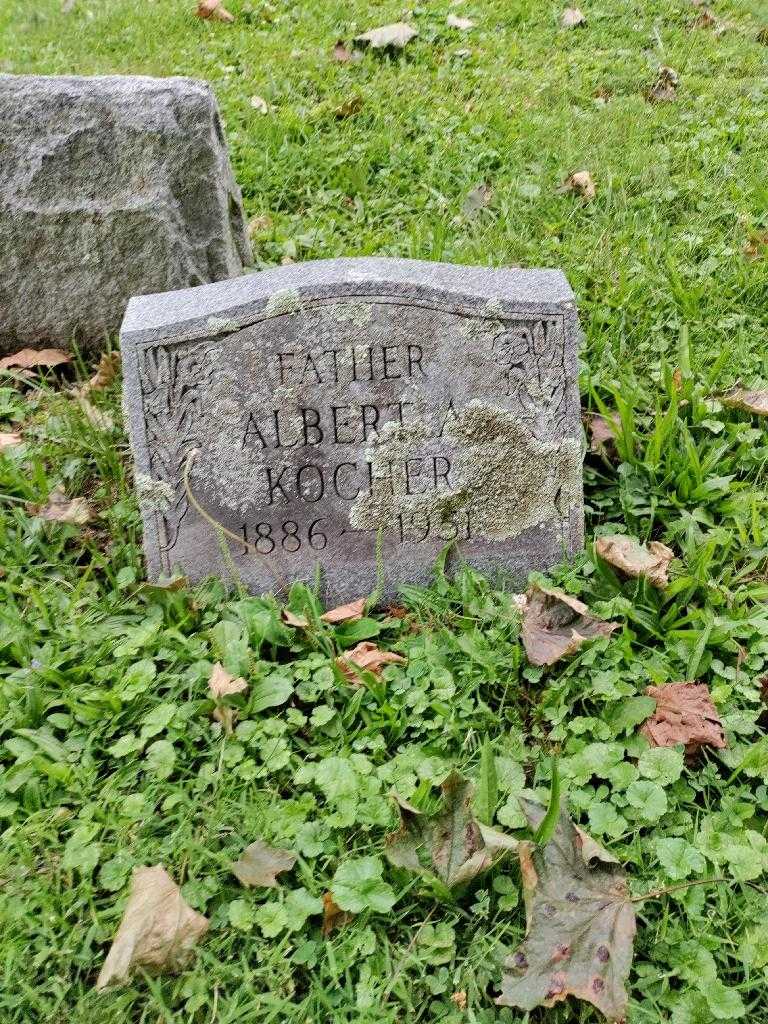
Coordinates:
(110, 187)
(355, 414)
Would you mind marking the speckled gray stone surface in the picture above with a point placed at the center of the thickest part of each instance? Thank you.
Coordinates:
(320, 410)
(110, 187)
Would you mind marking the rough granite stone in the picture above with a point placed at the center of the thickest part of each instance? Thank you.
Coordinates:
(346, 412)
(110, 187)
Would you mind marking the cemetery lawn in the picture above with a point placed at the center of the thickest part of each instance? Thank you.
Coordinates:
(110, 757)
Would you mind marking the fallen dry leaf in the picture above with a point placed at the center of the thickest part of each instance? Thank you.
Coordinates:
(580, 924)
(367, 658)
(351, 612)
(757, 245)
(664, 89)
(222, 684)
(260, 104)
(292, 619)
(341, 53)
(333, 915)
(165, 585)
(705, 19)
(556, 625)
(394, 36)
(476, 199)
(60, 509)
(459, 999)
(31, 358)
(9, 441)
(450, 844)
(602, 432)
(213, 9)
(581, 183)
(462, 24)
(572, 18)
(635, 559)
(106, 371)
(261, 222)
(98, 419)
(260, 864)
(684, 714)
(158, 930)
(349, 107)
(748, 401)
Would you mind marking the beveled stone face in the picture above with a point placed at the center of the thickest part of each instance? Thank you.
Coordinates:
(319, 412)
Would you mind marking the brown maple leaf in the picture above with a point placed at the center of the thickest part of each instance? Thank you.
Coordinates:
(634, 559)
(450, 844)
(556, 625)
(260, 864)
(684, 714)
(158, 930)
(32, 358)
(366, 657)
(580, 924)
(351, 612)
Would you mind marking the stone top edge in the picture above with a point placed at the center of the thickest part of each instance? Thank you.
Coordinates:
(102, 81)
(187, 313)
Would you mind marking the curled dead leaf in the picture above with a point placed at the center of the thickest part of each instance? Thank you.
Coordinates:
(556, 625)
(580, 924)
(292, 619)
(462, 24)
(664, 89)
(602, 432)
(459, 999)
(684, 714)
(748, 401)
(581, 183)
(222, 684)
(572, 17)
(349, 107)
(260, 864)
(158, 930)
(333, 916)
(476, 199)
(756, 247)
(394, 36)
(31, 358)
(60, 509)
(10, 440)
(351, 612)
(635, 559)
(260, 104)
(366, 657)
(106, 371)
(213, 9)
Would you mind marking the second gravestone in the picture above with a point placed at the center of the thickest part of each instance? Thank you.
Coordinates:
(320, 411)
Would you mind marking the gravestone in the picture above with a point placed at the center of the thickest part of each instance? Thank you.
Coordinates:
(110, 187)
(350, 412)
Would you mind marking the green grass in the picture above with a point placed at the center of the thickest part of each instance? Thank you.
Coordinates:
(110, 758)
